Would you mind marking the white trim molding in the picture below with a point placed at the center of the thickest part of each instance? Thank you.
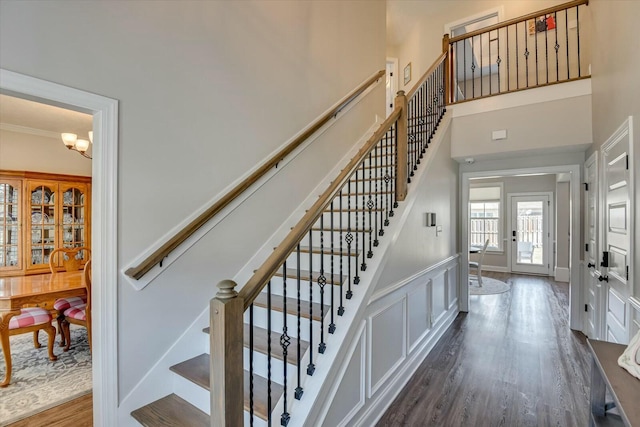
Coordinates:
(104, 226)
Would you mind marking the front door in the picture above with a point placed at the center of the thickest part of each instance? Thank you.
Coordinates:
(530, 233)
(593, 306)
(616, 244)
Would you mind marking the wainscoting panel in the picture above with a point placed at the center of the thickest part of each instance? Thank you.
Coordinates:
(350, 396)
(418, 313)
(635, 316)
(439, 295)
(387, 342)
(452, 286)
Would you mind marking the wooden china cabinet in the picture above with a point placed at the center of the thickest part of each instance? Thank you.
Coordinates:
(38, 214)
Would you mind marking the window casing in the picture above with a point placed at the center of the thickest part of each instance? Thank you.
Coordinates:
(485, 217)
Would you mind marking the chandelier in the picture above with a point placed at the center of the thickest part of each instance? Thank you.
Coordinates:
(72, 142)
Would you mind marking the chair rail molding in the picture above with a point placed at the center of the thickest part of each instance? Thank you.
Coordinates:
(104, 226)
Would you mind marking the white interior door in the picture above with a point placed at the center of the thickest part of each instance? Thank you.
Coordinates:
(594, 310)
(616, 244)
(391, 82)
(530, 233)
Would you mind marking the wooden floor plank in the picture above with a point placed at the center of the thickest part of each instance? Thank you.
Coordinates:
(511, 361)
(75, 413)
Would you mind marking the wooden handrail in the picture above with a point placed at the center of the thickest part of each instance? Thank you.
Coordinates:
(426, 75)
(519, 19)
(157, 256)
(263, 274)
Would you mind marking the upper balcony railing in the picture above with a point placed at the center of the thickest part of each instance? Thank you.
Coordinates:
(542, 48)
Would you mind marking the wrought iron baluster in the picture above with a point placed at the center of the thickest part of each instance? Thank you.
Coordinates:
(363, 265)
(464, 50)
(251, 385)
(536, 41)
(394, 155)
(518, 56)
(379, 210)
(557, 46)
(285, 341)
(356, 279)
(332, 324)
(481, 66)
(526, 54)
(578, 38)
(269, 398)
(473, 70)
(311, 367)
(546, 50)
(370, 208)
(387, 179)
(349, 238)
(566, 25)
(322, 281)
(490, 71)
(341, 308)
(299, 391)
(499, 61)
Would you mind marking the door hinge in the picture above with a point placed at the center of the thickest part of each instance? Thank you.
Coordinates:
(548, 202)
(586, 307)
(586, 247)
(586, 186)
(627, 272)
(391, 74)
(627, 162)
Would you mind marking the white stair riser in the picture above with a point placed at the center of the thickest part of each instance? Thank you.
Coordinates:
(260, 366)
(277, 323)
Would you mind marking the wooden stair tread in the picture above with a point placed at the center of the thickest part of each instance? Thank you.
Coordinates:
(260, 342)
(354, 210)
(292, 306)
(292, 273)
(360, 194)
(344, 230)
(197, 370)
(327, 250)
(171, 411)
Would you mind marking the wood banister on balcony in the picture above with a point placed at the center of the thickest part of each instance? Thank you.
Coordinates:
(520, 19)
(157, 256)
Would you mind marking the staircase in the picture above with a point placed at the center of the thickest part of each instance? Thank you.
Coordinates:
(302, 301)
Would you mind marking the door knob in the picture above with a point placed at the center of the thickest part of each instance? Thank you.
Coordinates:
(603, 278)
(589, 265)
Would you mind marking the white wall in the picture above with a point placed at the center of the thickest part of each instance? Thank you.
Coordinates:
(25, 152)
(418, 246)
(206, 91)
(563, 225)
(553, 125)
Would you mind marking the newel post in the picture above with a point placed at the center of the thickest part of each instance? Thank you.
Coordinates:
(448, 86)
(402, 147)
(226, 380)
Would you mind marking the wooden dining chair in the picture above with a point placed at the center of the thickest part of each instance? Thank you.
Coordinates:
(67, 259)
(29, 320)
(478, 264)
(79, 314)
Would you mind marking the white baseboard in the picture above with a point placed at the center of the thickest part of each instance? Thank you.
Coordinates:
(562, 274)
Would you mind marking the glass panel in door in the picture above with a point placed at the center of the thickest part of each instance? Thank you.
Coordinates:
(9, 225)
(530, 234)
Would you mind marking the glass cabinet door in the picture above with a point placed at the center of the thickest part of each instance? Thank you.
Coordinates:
(74, 209)
(10, 242)
(41, 232)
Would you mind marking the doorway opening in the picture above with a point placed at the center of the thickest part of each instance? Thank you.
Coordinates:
(505, 255)
(104, 225)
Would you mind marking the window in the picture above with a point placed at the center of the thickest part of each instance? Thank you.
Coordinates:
(485, 212)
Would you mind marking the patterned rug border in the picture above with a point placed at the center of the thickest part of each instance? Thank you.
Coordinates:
(40, 384)
(490, 286)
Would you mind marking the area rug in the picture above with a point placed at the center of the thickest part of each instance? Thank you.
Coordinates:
(37, 383)
(489, 287)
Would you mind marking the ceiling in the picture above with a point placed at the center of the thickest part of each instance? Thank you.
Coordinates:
(19, 114)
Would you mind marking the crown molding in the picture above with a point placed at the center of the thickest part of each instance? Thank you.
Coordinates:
(28, 130)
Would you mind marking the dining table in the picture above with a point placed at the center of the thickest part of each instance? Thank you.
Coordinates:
(38, 290)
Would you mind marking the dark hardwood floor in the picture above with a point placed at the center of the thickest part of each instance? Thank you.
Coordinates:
(511, 361)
